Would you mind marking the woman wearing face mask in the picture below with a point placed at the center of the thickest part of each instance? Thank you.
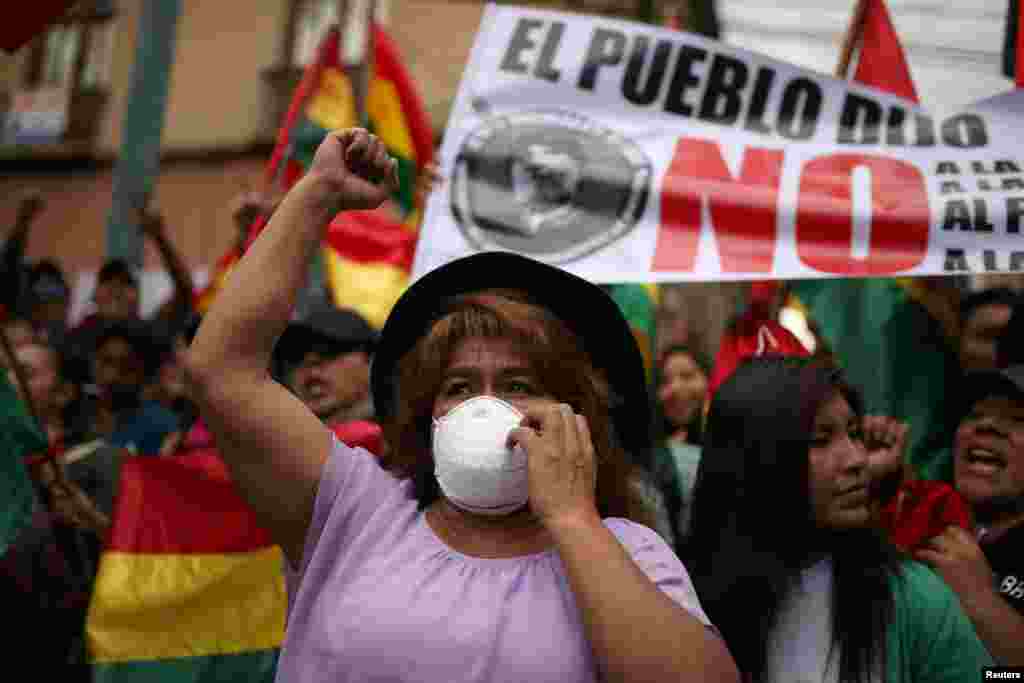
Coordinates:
(491, 545)
(785, 557)
(682, 385)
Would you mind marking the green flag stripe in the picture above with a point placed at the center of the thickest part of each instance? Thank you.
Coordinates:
(19, 436)
(252, 667)
(307, 136)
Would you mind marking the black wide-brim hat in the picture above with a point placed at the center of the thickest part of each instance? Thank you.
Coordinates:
(590, 312)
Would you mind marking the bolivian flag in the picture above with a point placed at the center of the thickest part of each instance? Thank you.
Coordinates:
(366, 269)
(189, 588)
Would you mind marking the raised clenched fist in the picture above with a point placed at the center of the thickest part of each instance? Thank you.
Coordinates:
(357, 169)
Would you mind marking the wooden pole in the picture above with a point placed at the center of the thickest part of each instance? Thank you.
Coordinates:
(21, 379)
(852, 38)
(56, 483)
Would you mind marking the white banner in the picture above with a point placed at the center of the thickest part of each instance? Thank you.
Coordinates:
(624, 152)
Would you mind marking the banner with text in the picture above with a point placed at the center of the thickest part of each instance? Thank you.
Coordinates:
(625, 152)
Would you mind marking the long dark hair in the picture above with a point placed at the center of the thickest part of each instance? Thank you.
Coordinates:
(753, 531)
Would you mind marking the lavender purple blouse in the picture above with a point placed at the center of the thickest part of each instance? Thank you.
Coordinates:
(381, 598)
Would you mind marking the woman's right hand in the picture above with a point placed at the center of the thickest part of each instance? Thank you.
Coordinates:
(354, 170)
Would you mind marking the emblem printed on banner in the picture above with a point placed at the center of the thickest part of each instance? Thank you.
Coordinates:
(552, 185)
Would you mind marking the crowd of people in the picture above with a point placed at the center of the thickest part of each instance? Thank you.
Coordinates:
(489, 488)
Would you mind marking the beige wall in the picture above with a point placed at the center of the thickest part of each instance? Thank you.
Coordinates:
(435, 38)
(216, 92)
(217, 100)
(193, 197)
(218, 97)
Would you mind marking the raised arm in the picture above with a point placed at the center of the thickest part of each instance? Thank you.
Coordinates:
(12, 260)
(152, 225)
(274, 446)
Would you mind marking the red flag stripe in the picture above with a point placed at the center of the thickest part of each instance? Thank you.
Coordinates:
(328, 50)
(368, 237)
(388, 65)
(182, 505)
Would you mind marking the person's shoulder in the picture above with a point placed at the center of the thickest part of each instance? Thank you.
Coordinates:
(917, 588)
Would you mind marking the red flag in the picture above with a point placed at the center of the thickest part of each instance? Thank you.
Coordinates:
(881, 63)
(29, 20)
(753, 334)
(921, 510)
(1019, 61)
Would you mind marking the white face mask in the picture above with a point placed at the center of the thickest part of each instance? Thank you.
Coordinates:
(475, 468)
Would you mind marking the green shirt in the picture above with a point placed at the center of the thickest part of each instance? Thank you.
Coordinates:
(931, 639)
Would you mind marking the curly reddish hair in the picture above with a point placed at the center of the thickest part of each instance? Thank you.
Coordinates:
(557, 360)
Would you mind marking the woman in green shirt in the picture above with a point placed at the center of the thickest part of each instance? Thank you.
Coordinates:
(681, 383)
(783, 554)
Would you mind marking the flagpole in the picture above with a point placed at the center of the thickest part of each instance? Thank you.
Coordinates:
(356, 40)
(852, 37)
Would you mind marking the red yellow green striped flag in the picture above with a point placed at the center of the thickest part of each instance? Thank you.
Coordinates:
(189, 587)
(367, 257)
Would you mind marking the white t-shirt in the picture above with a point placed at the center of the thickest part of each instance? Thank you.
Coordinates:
(798, 650)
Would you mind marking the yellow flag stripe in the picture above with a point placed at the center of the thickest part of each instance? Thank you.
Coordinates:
(653, 291)
(384, 108)
(333, 105)
(148, 607)
(371, 289)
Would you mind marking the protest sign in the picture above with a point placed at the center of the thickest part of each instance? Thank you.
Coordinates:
(626, 152)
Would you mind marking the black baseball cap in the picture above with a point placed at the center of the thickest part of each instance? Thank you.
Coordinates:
(585, 307)
(1008, 382)
(326, 329)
